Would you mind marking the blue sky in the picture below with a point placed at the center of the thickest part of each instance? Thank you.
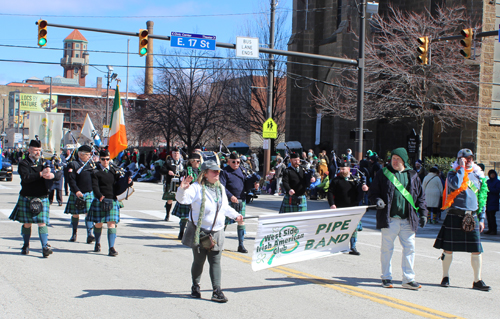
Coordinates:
(17, 20)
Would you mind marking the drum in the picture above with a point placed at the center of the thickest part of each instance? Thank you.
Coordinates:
(210, 156)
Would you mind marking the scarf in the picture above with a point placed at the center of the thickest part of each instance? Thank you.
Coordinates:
(213, 188)
(481, 195)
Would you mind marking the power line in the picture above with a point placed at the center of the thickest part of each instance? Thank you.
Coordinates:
(133, 17)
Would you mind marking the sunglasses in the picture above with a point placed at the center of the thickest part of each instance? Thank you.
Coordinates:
(195, 161)
(235, 162)
(105, 159)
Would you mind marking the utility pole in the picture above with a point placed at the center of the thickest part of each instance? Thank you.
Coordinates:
(270, 86)
(361, 80)
(128, 48)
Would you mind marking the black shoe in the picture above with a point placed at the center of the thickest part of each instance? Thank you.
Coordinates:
(112, 252)
(90, 239)
(480, 285)
(73, 238)
(387, 283)
(25, 250)
(242, 249)
(60, 203)
(46, 252)
(445, 282)
(354, 252)
(97, 248)
(218, 296)
(195, 291)
(167, 218)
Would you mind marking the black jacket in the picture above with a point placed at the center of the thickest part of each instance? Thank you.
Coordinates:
(32, 184)
(105, 183)
(171, 166)
(296, 181)
(234, 182)
(382, 188)
(80, 182)
(344, 193)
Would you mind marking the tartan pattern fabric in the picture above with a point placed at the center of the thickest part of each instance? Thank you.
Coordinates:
(70, 206)
(22, 212)
(96, 215)
(230, 221)
(181, 211)
(451, 237)
(287, 207)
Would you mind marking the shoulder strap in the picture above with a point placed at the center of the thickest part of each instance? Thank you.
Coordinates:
(390, 176)
(429, 181)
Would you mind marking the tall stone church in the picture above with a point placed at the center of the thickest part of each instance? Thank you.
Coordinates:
(328, 27)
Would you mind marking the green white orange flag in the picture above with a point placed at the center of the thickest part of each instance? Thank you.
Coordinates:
(117, 132)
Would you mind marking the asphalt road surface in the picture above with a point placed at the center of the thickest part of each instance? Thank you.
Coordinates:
(150, 278)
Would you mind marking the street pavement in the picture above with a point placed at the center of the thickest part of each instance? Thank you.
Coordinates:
(150, 278)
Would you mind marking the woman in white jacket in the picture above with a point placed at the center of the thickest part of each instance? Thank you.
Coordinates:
(433, 190)
(209, 208)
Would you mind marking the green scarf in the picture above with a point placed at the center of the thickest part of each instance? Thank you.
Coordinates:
(218, 191)
(482, 195)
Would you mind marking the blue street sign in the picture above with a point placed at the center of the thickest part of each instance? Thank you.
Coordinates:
(192, 41)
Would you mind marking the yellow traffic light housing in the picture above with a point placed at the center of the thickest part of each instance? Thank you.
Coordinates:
(423, 50)
(466, 42)
(143, 42)
(42, 33)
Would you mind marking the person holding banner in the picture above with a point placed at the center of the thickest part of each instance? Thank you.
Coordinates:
(33, 203)
(397, 192)
(464, 200)
(346, 191)
(295, 183)
(79, 176)
(205, 229)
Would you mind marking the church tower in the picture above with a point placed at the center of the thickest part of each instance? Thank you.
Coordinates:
(76, 58)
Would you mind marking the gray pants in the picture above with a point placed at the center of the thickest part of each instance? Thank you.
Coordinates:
(199, 257)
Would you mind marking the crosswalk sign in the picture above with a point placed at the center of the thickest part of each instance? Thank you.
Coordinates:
(270, 129)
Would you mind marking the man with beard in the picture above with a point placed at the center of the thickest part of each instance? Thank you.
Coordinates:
(172, 168)
(346, 191)
(295, 183)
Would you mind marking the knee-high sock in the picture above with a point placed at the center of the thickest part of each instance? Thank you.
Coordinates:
(97, 233)
(241, 234)
(182, 224)
(111, 237)
(477, 262)
(74, 223)
(26, 233)
(447, 259)
(43, 233)
(89, 226)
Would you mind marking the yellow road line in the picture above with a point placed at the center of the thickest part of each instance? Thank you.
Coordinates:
(344, 288)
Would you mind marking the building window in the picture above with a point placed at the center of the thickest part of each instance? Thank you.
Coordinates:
(77, 46)
(77, 55)
(84, 46)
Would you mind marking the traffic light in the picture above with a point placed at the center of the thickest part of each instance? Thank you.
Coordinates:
(143, 42)
(466, 42)
(423, 50)
(42, 33)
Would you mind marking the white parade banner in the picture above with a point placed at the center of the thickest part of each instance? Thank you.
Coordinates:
(48, 127)
(294, 237)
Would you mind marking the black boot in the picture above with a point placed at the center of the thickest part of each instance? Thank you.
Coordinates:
(241, 238)
(25, 250)
(218, 296)
(73, 237)
(167, 208)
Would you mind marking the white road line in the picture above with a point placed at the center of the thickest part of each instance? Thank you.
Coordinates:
(4, 187)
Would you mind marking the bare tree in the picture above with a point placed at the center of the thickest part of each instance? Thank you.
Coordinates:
(397, 86)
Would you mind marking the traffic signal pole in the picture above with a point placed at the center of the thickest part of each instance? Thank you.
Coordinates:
(361, 81)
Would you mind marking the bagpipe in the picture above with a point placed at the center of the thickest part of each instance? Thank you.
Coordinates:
(123, 189)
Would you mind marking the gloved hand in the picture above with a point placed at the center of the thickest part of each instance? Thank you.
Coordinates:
(422, 221)
(380, 204)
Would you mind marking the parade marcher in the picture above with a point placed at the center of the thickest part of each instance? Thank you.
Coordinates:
(79, 176)
(65, 159)
(180, 210)
(464, 200)
(279, 170)
(105, 208)
(233, 179)
(56, 187)
(433, 189)
(205, 229)
(346, 191)
(420, 169)
(397, 192)
(172, 168)
(295, 183)
(33, 204)
(492, 205)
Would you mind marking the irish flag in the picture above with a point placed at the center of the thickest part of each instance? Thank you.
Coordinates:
(117, 132)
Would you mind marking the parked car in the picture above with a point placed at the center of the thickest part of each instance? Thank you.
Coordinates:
(6, 171)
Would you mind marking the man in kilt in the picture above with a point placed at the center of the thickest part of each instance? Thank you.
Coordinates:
(105, 208)
(233, 178)
(295, 183)
(181, 210)
(172, 168)
(33, 175)
(79, 176)
(465, 194)
(397, 192)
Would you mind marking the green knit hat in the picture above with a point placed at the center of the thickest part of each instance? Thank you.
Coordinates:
(401, 152)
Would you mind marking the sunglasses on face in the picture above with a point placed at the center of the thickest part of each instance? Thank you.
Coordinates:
(195, 161)
(235, 162)
(105, 159)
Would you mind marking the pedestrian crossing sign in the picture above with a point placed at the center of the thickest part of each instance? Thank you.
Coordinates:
(270, 129)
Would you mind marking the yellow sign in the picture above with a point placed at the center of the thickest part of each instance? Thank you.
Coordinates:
(270, 129)
(37, 102)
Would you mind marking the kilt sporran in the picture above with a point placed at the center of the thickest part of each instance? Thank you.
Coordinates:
(36, 206)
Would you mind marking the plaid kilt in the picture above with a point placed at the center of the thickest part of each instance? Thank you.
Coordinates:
(451, 237)
(96, 215)
(181, 211)
(287, 207)
(70, 206)
(230, 221)
(22, 212)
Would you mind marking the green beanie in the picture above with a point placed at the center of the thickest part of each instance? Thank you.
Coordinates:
(369, 153)
(401, 152)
